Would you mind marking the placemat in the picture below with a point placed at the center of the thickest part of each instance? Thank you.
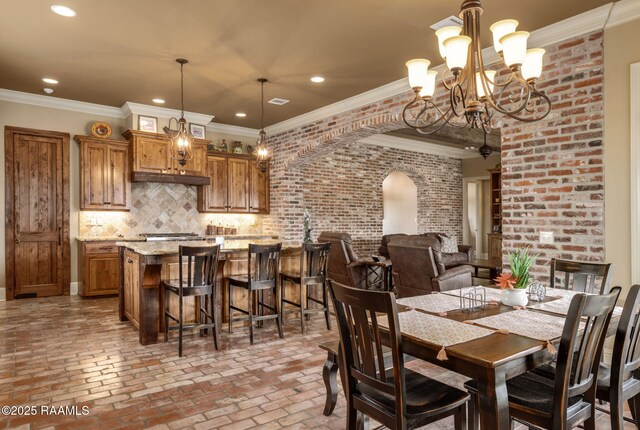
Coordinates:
(535, 325)
(436, 330)
(435, 303)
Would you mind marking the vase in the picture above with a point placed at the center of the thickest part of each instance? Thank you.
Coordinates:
(514, 297)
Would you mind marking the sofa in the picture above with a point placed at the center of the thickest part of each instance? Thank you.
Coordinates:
(418, 268)
(464, 254)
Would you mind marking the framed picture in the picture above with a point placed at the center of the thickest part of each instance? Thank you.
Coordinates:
(148, 123)
(198, 131)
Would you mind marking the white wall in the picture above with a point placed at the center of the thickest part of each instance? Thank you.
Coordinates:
(400, 203)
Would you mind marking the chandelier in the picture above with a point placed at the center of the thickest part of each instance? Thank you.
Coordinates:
(262, 150)
(181, 139)
(475, 92)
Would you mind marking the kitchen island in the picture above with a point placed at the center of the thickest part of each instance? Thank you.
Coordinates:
(142, 265)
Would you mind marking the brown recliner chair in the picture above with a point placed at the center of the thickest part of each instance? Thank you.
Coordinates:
(464, 254)
(418, 269)
(344, 266)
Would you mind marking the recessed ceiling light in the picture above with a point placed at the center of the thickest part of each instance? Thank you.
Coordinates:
(317, 79)
(159, 101)
(48, 90)
(63, 10)
(50, 81)
(241, 114)
(469, 148)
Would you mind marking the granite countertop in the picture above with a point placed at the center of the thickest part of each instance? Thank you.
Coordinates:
(111, 238)
(171, 247)
(137, 238)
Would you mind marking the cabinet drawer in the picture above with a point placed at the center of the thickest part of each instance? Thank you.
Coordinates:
(106, 247)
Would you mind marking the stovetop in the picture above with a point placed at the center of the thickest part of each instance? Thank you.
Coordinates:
(151, 237)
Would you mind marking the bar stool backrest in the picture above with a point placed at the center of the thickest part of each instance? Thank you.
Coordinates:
(264, 260)
(313, 262)
(579, 276)
(201, 263)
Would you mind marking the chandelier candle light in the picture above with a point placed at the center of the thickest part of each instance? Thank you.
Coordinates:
(262, 150)
(474, 91)
(181, 139)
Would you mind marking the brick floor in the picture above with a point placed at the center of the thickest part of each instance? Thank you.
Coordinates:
(65, 351)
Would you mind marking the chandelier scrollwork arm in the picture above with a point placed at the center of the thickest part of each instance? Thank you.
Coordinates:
(476, 93)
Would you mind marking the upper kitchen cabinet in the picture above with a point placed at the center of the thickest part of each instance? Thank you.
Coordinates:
(237, 186)
(151, 160)
(104, 174)
(258, 188)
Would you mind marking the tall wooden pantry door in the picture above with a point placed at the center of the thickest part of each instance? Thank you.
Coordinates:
(36, 213)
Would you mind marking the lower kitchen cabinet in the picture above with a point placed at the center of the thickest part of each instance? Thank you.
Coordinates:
(98, 268)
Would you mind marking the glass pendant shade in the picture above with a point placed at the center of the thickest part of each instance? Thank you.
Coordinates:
(532, 67)
(457, 48)
(430, 87)
(500, 29)
(490, 76)
(514, 48)
(417, 70)
(445, 33)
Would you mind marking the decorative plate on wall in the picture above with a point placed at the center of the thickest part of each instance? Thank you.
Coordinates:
(101, 129)
(250, 149)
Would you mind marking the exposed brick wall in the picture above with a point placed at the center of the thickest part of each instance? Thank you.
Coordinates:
(343, 192)
(553, 169)
(553, 177)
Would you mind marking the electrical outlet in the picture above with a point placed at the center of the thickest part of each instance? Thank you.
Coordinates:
(94, 221)
(546, 237)
(99, 221)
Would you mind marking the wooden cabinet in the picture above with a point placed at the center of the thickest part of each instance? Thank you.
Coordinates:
(131, 286)
(495, 237)
(495, 245)
(237, 185)
(151, 160)
(104, 174)
(258, 188)
(98, 268)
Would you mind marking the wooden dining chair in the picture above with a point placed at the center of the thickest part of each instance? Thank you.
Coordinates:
(569, 398)
(200, 281)
(397, 398)
(579, 276)
(263, 265)
(620, 382)
(313, 272)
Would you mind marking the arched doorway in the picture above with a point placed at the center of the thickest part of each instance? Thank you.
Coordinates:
(400, 204)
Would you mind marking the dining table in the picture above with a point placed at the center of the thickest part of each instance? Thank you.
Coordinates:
(490, 342)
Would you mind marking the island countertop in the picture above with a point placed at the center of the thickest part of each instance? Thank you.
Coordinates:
(171, 247)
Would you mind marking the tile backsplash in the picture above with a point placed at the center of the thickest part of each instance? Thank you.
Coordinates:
(163, 208)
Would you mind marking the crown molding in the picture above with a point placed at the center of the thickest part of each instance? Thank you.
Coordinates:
(595, 19)
(232, 130)
(59, 103)
(130, 108)
(421, 146)
(624, 11)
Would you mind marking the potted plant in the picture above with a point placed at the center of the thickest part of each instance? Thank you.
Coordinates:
(514, 285)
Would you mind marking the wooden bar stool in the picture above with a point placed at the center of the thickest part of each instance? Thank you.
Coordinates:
(313, 270)
(265, 261)
(202, 267)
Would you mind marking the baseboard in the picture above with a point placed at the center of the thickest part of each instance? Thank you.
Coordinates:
(73, 288)
(3, 294)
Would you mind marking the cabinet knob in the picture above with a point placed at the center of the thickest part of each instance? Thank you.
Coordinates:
(129, 260)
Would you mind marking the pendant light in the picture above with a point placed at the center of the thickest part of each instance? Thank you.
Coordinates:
(262, 151)
(181, 139)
